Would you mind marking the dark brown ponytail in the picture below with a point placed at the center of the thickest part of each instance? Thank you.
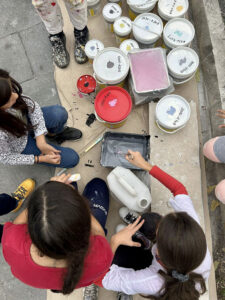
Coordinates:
(59, 224)
(182, 247)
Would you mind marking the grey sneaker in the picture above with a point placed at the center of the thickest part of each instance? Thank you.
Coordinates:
(59, 53)
(122, 296)
(90, 292)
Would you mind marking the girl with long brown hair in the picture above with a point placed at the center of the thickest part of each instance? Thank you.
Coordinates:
(181, 261)
(24, 125)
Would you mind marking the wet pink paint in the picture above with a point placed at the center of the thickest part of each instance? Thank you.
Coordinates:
(149, 70)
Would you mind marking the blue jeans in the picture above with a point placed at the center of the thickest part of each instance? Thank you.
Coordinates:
(55, 119)
(7, 204)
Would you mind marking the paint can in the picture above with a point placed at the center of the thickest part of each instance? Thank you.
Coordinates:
(113, 105)
(172, 113)
(86, 85)
(182, 62)
(169, 9)
(137, 9)
(111, 12)
(128, 45)
(178, 32)
(147, 29)
(111, 66)
(122, 28)
(92, 48)
(116, 1)
(93, 7)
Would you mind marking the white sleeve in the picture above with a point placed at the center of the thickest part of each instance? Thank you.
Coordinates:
(146, 281)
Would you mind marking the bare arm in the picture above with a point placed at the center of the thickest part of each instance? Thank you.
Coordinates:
(21, 218)
(96, 228)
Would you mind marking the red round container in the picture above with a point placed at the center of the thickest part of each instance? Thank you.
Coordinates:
(113, 105)
(86, 85)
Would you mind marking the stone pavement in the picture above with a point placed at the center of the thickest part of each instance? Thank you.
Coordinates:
(26, 53)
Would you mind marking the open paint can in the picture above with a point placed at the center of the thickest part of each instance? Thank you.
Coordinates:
(111, 12)
(147, 29)
(128, 45)
(86, 86)
(122, 28)
(172, 113)
(178, 32)
(169, 9)
(93, 7)
(111, 66)
(92, 48)
(136, 9)
(182, 62)
(112, 106)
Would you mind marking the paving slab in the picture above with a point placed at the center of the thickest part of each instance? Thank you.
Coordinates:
(13, 58)
(17, 15)
(38, 49)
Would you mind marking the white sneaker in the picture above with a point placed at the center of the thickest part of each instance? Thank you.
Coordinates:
(90, 292)
(120, 227)
(128, 216)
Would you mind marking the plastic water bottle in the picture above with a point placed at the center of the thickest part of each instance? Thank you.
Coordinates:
(129, 189)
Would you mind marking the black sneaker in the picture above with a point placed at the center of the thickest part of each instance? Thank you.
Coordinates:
(128, 216)
(68, 134)
(81, 38)
(122, 296)
(59, 53)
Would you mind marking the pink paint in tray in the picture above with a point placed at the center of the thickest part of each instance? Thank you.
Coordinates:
(149, 70)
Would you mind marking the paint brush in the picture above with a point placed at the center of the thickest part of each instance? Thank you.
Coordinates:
(93, 144)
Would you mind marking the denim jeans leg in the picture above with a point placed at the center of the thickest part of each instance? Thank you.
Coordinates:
(97, 192)
(7, 204)
(55, 117)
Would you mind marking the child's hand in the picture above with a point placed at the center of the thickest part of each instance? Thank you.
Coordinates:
(64, 178)
(124, 236)
(138, 160)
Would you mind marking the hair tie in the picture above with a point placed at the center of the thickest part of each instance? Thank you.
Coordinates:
(179, 276)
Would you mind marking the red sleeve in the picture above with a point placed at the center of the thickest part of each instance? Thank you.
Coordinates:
(176, 187)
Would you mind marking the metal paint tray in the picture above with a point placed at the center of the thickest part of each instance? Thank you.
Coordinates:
(116, 144)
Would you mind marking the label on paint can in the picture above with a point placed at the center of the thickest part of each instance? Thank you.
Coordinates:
(93, 47)
(111, 12)
(173, 8)
(128, 45)
(122, 26)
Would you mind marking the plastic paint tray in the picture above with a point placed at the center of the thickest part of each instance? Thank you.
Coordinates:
(116, 144)
(149, 70)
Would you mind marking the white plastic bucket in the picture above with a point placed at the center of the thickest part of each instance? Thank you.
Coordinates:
(169, 9)
(136, 9)
(111, 12)
(182, 62)
(147, 29)
(172, 113)
(111, 66)
(93, 7)
(122, 28)
(92, 48)
(178, 32)
(128, 45)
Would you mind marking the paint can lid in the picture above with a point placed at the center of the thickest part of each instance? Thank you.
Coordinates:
(178, 32)
(86, 84)
(111, 65)
(93, 47)
(113, 104)
(182, 62)
(111, 11)
(122, 26)
(142, 6)
(169, 9)
(128, 45)
(172, 111)
(147, 28)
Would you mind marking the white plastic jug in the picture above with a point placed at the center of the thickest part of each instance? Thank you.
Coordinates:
(129, 189)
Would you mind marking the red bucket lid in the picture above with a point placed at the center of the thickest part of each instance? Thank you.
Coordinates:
(86, 84)
(113, 104)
